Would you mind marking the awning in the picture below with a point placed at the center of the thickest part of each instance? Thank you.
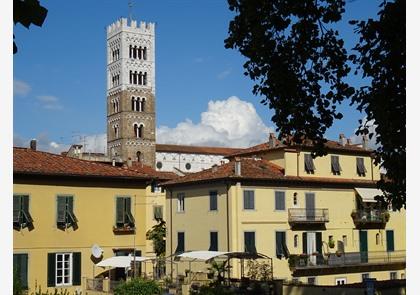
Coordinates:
(121, 261)
(208, 255)
(368, 194)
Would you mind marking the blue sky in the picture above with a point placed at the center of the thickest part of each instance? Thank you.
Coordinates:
(60, 68)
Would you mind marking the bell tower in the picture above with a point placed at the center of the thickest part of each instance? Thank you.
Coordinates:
(131, 91)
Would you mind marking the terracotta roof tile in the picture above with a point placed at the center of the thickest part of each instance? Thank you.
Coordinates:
(27, 161)
(188, 149)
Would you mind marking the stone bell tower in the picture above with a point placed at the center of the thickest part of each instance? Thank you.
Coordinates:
(131, 91)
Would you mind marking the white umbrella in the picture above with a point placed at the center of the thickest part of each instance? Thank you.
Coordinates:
(121, 261)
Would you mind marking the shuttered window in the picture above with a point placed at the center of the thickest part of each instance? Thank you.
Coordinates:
(21, 216)
(64, 269)
(180, 248)
(65, 214)
(214, 241)
(280, 201)
(281, 246)
(20, 268)
(213, 200)
(123, 212)
(249, 239)
(181, 202)
(158, 212)
(389, 240)
(249, 200)
(309, 164)
(335, 165)
(360, 166)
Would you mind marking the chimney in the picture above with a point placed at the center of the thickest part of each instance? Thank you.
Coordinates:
(365, 141)
(113, 162)
(237, 167)
(214, 168)
(271, 140)
(348, 141)
(32, 144)
(129, 162)
(342, 139)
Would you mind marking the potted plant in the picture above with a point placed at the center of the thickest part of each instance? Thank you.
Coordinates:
(331, 243)
(354, 215)
(385, 216)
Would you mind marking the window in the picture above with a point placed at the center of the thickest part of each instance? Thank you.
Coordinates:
(393, 275)
(181, 202)
(335, 165)
(124, 218)
(158, 213)
(281, 247)
(180, 248)
(280, 201)
(311, 280)
(188, 166)
(144, 53)
(138, 130)
(249, 200)
(65, 214)
(309, 164)
(296, 241)
(159, 165)
(21, 216)
(345, 240)
(20, 267)
(213, 200)
(378, 239)
(249, 239)
(142, 106)
(295, 200)
(340, 281)
(365, 276)
(360, 166)
(214, 241)
(390, 240)
(64, 269)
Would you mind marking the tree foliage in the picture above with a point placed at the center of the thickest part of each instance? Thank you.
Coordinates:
(299, 64)
(138, 287)
(27, 12)
(157, 234)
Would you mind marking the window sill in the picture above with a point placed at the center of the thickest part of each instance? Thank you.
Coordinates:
(124, 230)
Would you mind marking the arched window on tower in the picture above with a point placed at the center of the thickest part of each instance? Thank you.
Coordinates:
(135, 52)
(133, 103)
(131, 77)
(144, 53)
(138, 154)
(130, 50)
(137, 104)
(139, 52)
(142, 104)
(117, 104)
(135, 77)
(144, 79)
(116, 131)
(136, 130)
(140, 132)
(139, 76)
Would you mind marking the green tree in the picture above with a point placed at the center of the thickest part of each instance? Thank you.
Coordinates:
(138, 287)
(27, 12)
(157, 234)
(299, 64)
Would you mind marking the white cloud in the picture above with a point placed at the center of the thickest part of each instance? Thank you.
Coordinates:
(231, 122)
(43, 143)
(49, 102)
(21, 88)
(357, 139)
(94, 143)
(224, 74)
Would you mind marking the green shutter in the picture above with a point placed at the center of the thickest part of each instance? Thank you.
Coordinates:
(71, 218)
(25, 209)
(20, 267)
(389, 240)
(128, 218)
(51, 270)
(16, 208)
(280, 240)
(61, 210)
(120, 210)
(77, 268)
(318, 239)
(305, 243)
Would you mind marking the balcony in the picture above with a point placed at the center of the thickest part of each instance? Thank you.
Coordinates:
(331, 263)
(302, 216)
(370, 218)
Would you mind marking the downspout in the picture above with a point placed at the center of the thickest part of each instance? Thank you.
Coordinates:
(297, 162)
(172, 258)
(227, 216)
(371, 166)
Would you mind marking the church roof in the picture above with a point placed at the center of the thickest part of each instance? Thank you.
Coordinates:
(189, 149)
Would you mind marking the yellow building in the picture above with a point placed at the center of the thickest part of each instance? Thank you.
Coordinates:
(63, 206)
(316, 218)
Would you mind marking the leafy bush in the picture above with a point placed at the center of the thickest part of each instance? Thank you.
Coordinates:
(212, 290)
(138, 287)
(56, 292)
(17, 285)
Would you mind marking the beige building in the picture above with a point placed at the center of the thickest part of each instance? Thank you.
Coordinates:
(316, 218)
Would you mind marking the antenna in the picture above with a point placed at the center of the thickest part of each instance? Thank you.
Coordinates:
(130, 7)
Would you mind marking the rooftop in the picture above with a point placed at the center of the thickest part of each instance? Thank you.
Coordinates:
(189, 149)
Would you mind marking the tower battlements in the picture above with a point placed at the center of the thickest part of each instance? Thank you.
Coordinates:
(124, 25)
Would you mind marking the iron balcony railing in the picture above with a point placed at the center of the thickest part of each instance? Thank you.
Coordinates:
(94, 284)
(302, 215)
(304, 261)
(370, 216)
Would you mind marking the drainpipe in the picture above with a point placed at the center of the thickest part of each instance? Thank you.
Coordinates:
(172, 258)
(297, 162)
(227, 226)
(371, 166)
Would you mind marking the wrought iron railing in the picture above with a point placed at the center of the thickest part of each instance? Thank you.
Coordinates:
(345, 259)
(302, 215)
(94, 284)
(370, 216)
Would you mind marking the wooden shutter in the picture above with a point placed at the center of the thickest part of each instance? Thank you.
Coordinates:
(77, 268)
(389, 240)
(120, 210)
(128, 216)
(16, 208)
(250, 242)
(180, 248)
(25, 209)
(213, 200)
(213, 241)
(309, 163)
(71, 218)
(61, 209)
(318, 239)
(361, 170)
(335, 164)
(20, 266)
(51, 270)
(280, 201)
(305, 243)
(249, 200)
(280, 241)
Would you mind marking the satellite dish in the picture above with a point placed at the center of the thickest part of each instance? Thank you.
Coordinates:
(96, 251)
